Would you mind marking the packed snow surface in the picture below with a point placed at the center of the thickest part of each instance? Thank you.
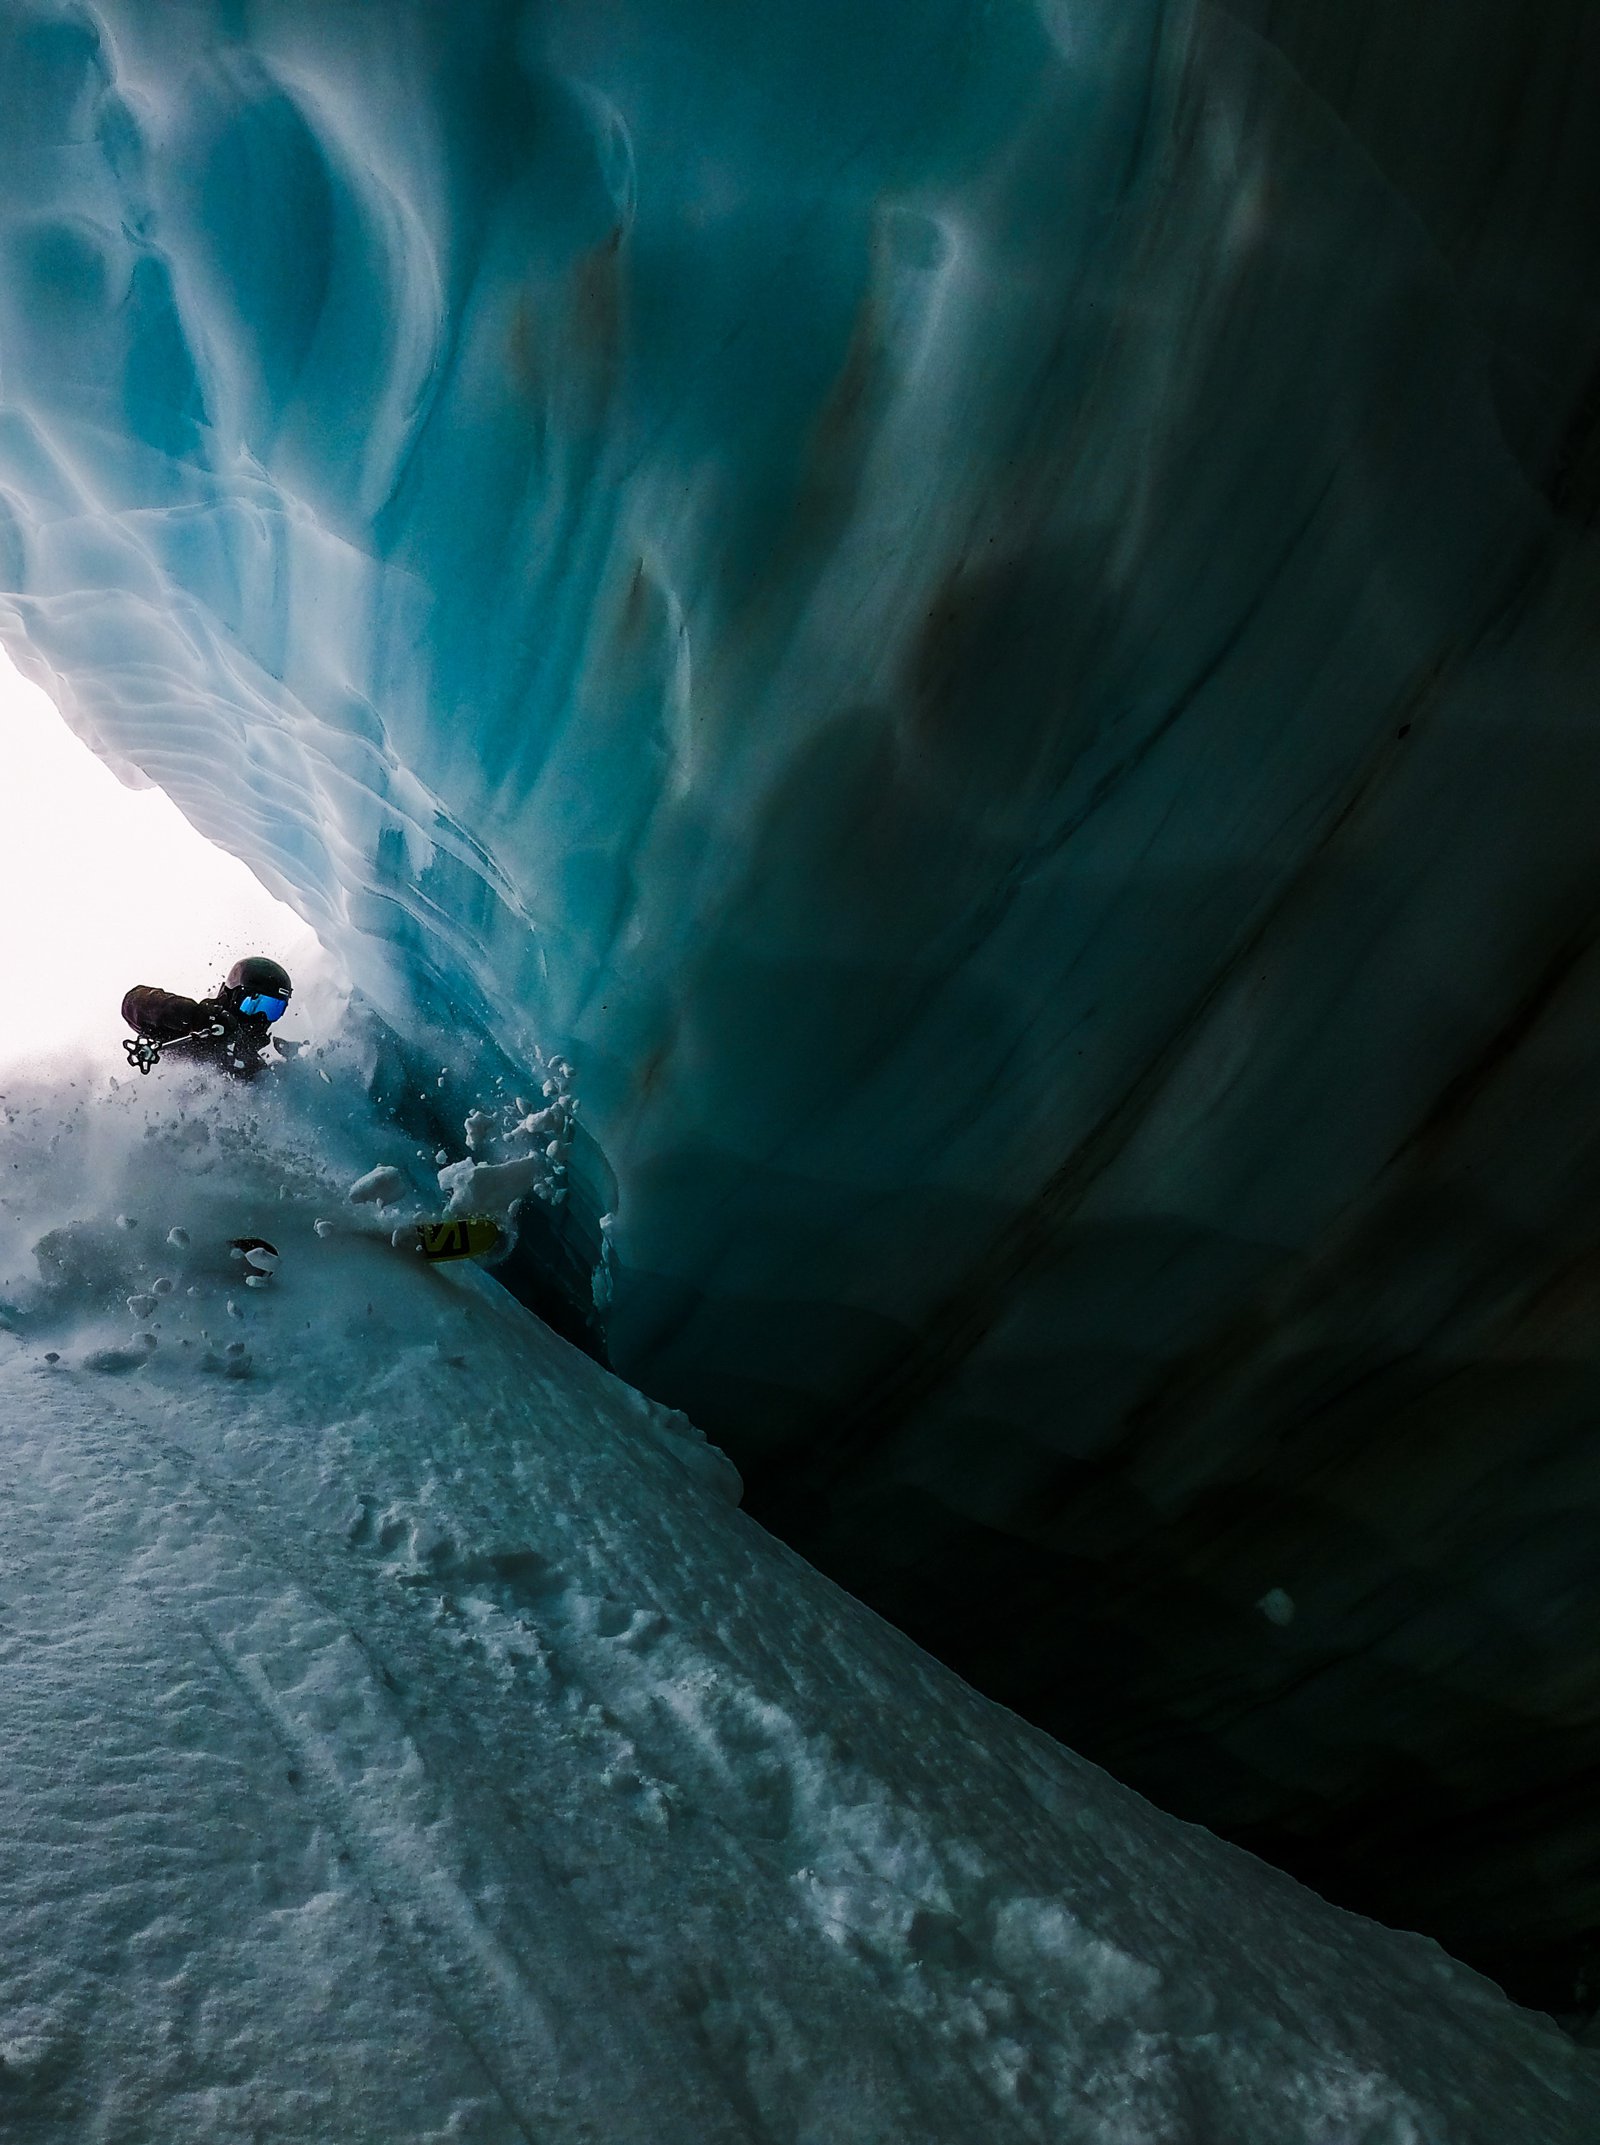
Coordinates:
(407, 1737)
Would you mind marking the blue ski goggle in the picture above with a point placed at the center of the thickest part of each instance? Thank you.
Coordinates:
(274, 1008)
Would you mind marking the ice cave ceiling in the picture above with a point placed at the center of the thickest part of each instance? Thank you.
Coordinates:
(987, 612)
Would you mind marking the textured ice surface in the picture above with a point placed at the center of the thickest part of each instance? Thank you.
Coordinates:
(690, 538)
(850, 571)
(406, 1737)
(982, 612)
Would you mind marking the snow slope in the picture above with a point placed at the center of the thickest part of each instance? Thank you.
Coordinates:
(407, 1738)
(983, 611)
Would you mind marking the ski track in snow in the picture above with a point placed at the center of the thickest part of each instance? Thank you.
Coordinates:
(407, 1739)
(312, 1683)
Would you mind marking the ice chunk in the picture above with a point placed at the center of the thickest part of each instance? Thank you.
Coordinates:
(491, 1187)
(456, 1176)
(480, 1129)
(178, 1237)
(383, 1186)
(141, 1306)
(161, 1287)
(1277, 1606)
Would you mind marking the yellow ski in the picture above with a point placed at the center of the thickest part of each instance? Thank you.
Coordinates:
(472, 1236)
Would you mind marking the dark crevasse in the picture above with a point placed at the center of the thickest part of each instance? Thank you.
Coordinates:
(985, 614)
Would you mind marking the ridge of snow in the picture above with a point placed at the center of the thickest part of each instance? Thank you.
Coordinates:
(407, 1720)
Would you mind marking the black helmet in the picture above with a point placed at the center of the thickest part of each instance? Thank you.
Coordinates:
(257, 985)
(257, 973)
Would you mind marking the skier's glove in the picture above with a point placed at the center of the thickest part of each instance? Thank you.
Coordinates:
(239, 1046)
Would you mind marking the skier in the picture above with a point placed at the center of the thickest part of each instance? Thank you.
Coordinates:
(231, 1029)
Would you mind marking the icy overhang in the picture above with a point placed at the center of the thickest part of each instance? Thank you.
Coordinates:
(983, 615)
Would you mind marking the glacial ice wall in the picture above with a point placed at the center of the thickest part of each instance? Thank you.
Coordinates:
(985, 615)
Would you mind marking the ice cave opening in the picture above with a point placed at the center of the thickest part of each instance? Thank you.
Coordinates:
(103, 887)
(932, 672)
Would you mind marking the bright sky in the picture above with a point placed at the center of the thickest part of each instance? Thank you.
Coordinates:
(103, 887)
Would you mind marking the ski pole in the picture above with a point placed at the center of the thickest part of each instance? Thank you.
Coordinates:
(144, 1051)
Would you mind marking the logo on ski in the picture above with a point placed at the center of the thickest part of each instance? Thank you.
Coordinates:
(469, 1238)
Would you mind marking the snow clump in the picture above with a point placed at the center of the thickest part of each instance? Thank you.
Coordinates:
(384, 1186)
(516, 1152)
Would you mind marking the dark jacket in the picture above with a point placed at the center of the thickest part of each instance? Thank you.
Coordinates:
(172, 1021)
